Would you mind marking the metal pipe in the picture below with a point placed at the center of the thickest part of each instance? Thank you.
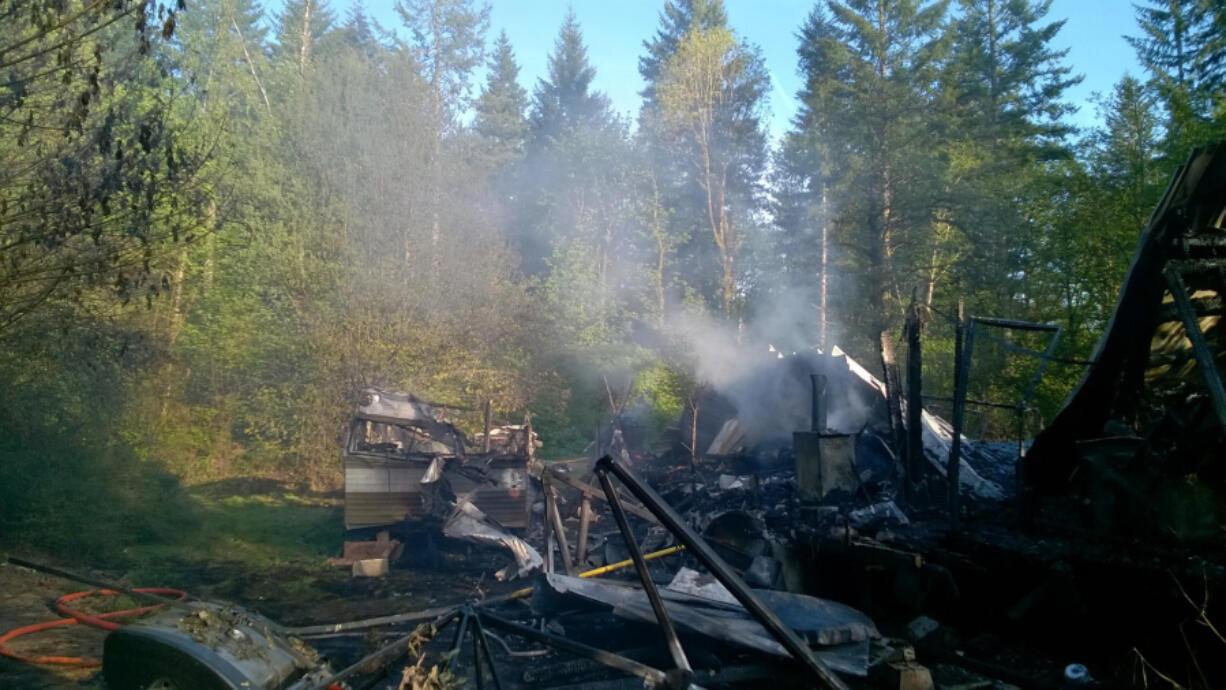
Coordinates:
(479, 631)
(411, 617)
(480, 677)
(724, 573)
(459, 633)
(600, 656)
(649, 586)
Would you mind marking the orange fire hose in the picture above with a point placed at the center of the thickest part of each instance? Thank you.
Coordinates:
(101, 620)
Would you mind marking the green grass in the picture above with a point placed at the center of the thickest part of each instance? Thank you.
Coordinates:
(275, 532)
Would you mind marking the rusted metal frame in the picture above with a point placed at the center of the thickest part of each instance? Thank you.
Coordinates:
(1013, 324)
(649, 586)
(615, 661)
(585, 521)
(399, 644)
(970, 401)
(554, 518)
(1200, 347)
(724, 573)
(638, 511)
(1056, 331)
(964, 344)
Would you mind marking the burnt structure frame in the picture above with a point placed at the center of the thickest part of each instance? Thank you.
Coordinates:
(724, 573)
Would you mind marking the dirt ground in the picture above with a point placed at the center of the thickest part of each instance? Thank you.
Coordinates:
(26, 598)
(287, 596)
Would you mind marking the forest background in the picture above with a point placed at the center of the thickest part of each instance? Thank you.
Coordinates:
(219, 223)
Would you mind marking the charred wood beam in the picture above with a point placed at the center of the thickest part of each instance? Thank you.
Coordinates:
(1193, 267)
(559, 530)
(1200, 348)
(585, 520)
(598, 493)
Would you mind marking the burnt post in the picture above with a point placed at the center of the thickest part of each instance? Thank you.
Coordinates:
(585, 519)
(955, 447)
(915, 403)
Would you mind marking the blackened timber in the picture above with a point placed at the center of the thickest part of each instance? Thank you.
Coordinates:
(1200, 348)
(594, 491)
(559, 530)
(585, 520)
(724, 573)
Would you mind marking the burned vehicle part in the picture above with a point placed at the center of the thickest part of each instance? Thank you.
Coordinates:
(207, 646)
(398, 445)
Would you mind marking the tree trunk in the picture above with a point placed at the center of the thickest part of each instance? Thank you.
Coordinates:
(304, 51)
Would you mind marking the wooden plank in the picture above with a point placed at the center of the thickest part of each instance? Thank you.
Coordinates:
(599, 493)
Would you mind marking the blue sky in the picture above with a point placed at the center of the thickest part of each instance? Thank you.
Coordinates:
(615, 31)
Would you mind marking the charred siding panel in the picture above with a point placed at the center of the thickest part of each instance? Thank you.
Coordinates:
(385, 492)
(381, 492)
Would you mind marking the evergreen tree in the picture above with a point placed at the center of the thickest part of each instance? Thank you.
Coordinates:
(1181, 47)
(676, 19)
(1004, 85)
(501, 107)
(870, 84)
(565, 101)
